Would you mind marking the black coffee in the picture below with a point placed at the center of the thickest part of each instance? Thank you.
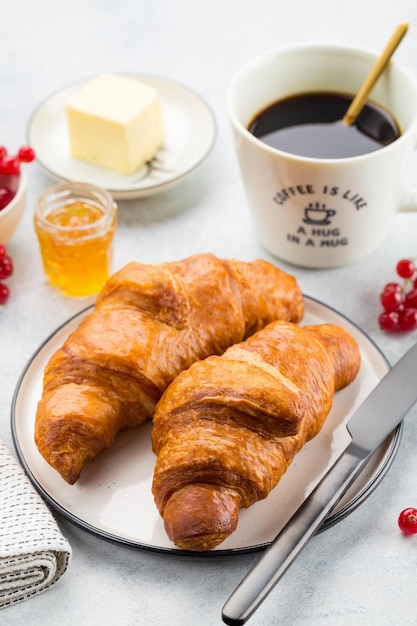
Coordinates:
(311, 125)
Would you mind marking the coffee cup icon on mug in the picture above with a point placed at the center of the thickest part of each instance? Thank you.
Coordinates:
(321, 211)
(318, 214)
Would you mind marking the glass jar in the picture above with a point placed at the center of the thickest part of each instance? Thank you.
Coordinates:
(75, 225)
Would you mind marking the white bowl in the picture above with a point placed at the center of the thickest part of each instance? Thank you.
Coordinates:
(11, 215)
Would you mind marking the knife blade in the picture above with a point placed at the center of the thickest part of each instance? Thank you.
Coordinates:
(383, 409)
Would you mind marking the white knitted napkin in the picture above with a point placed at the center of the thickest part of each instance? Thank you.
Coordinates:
(33, 552)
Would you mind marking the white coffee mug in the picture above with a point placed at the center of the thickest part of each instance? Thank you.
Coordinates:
(312, 212)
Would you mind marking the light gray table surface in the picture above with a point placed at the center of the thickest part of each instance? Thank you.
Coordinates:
(361, 571)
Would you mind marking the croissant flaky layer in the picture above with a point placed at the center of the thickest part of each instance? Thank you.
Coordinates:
(150, 322)
(226, 430)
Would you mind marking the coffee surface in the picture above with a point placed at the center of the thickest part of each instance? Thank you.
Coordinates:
(310, 125)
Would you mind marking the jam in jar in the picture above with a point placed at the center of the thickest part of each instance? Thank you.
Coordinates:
(75, 225)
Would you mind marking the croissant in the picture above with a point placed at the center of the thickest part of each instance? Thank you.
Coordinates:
(226, 430)
(149, 323)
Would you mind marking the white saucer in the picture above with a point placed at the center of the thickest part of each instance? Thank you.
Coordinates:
(190, 131)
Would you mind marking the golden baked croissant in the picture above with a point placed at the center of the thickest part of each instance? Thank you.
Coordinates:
(149, 323)
(225, 431)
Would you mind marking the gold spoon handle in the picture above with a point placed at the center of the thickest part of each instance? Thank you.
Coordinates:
(359, 101)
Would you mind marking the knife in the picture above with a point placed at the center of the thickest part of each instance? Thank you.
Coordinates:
(374, 420)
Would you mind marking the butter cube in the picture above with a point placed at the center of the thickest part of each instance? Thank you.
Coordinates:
(115, 122)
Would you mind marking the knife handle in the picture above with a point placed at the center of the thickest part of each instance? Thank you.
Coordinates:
(276, 559)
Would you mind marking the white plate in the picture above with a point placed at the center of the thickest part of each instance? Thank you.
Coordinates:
(190, 131)
(113, 497)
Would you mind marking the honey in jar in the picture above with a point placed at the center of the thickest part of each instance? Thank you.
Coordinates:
(75, 225)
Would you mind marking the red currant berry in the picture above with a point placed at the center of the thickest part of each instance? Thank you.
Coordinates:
(4, 293)
(407, 319)
(6, 267)
(391, 300)
(5, 197)
(10, 165)
(407, 521)
(391, 287)
(406, 268)
(2, 251)
(3, 152)
(410, 299)
(26, 154)
(388, 320)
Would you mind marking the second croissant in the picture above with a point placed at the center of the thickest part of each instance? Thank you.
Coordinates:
(227, 429)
